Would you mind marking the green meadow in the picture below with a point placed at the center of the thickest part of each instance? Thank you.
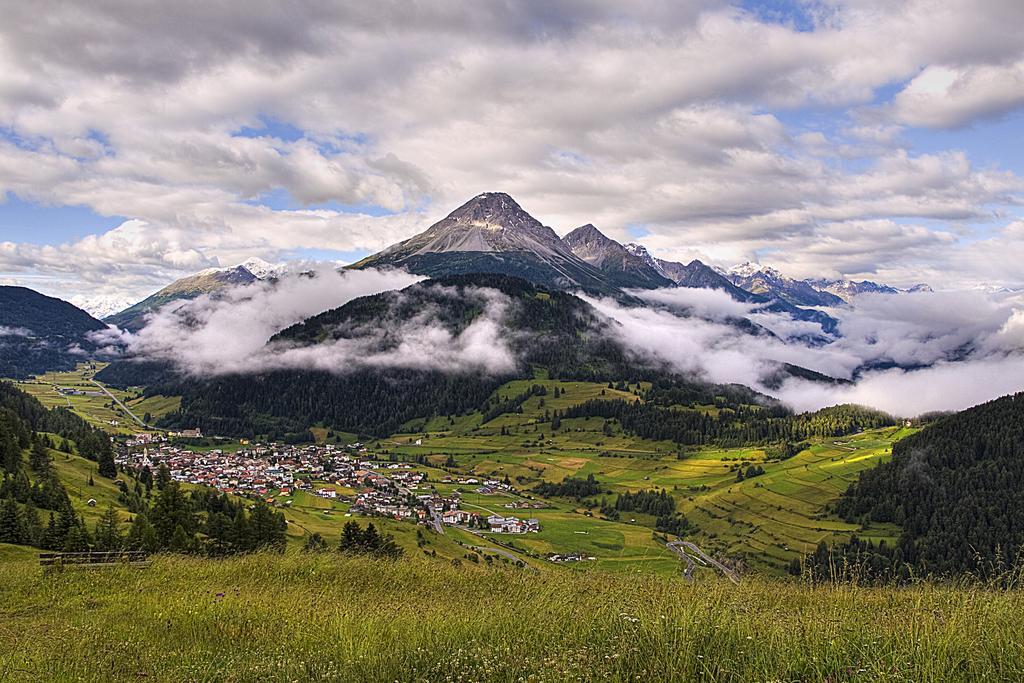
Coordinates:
(763, 522)
(94, 406)
(329, 617)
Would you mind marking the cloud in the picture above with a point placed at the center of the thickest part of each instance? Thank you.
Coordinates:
(950, 97)
(223, 134)
(944, 387)
(954, 349)
(229, 333)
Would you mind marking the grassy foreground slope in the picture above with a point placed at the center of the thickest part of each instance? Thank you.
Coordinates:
(292, 617)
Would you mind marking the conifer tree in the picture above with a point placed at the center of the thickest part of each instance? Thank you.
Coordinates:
(108, 531)
(12, 525)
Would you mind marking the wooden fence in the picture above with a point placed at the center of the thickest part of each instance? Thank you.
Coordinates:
(94, 559)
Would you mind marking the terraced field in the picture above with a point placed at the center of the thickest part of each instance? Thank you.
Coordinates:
(767, 520)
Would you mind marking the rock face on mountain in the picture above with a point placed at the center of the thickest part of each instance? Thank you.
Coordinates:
(764, 280)
(491, 233)
(40, 333)
(694, 274)
(847, 290)
(622, 267)
(207, 281)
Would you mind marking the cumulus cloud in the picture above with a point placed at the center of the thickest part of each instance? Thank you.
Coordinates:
(229, 333)
(227, 134)
(949, 97)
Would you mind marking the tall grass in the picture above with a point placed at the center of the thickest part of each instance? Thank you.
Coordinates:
(299, 618)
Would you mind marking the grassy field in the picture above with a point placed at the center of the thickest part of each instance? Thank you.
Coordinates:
(763, 522)
(332, 618)
(92, 404)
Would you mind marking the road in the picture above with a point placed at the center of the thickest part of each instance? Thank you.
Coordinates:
(498, 551)
(688, 572)
(435, 517)
(678, 546)
(116, 400)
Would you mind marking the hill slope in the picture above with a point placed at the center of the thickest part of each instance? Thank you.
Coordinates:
(208, 281)
(328, 618)
(956, 489)
(40, 333)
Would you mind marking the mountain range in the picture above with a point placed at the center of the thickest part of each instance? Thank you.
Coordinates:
(761, 279)
(492, 233)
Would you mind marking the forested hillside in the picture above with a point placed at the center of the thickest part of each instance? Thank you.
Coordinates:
(40, 333)
(957, 491)
(739, 417)
(31, 488)
(551, 330)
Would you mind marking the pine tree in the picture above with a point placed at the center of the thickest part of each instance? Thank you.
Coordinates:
(108, 531)
(267, 530)
(163, 476)
(142, 535)
(180, 541)
(38, 458)
(77, 540)
(107, 467)
(33, 525)
(12, 525)
(351, 538)
(241, 538)
(315, 543)
(52, 538)
(170, 510)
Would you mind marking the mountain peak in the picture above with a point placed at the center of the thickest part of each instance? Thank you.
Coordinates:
(495, 209)
(588, 233)
(260, 268)
(750, 269)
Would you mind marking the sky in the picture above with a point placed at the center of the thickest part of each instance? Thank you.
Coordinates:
(143, 141)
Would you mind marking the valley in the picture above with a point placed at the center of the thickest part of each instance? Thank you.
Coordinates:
(761, 523)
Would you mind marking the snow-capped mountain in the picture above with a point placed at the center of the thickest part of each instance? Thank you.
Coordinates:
(205, 281)
(761, 279)
(100, 306)
(263, 270)
(848, 290)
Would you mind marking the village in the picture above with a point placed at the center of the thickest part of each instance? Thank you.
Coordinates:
(276, 472)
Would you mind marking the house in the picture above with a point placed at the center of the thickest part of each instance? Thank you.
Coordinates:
(512, 525)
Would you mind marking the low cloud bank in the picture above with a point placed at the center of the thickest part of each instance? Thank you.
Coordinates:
(954, 349)
(227, 333)
(906, 354)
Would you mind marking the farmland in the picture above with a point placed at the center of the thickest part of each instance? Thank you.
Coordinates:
(766, 521)
(76, 391)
